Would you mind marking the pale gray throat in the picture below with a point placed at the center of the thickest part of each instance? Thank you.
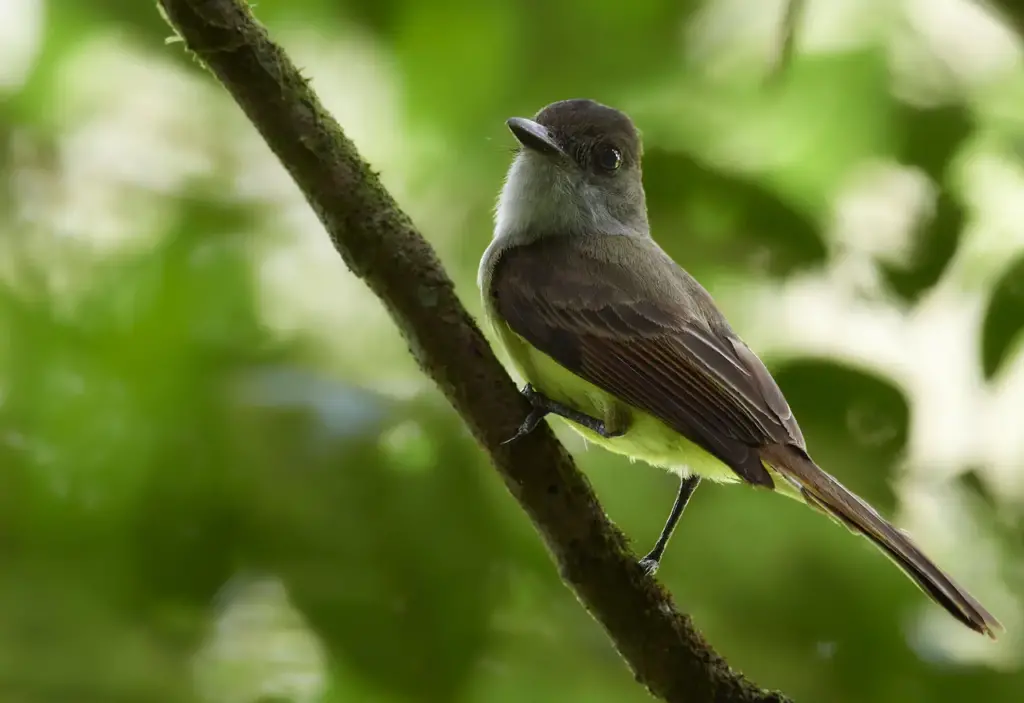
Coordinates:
(543, 198)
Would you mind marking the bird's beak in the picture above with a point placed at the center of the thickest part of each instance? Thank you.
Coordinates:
(533, 136)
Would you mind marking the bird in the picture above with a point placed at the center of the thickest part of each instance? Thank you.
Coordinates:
(611, 335)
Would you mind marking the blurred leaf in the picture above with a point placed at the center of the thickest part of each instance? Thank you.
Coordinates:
(41, 101)
(1004, 320)
(141, 17)
(931, 138)
(113, 424)
(601, 48)
(381, 16)
(720, 220)
(64, 638)
(801, 139)
(973, 482)
(373, 554)
(856, 424)
(459, 79)
(513, 57)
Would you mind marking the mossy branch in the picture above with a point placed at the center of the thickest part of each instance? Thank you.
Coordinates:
(379, 243)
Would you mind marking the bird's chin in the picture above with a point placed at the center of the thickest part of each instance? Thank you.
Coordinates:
(537, 172)
(538, 195)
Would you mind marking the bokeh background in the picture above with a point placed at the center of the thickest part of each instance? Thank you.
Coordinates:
(222, 477)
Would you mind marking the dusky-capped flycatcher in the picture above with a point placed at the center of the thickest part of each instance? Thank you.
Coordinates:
(611, 334)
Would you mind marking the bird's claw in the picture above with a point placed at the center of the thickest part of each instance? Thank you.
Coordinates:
(528, 426)
(649, 565)
(533, 419)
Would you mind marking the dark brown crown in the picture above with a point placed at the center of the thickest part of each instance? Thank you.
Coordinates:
(580, 124)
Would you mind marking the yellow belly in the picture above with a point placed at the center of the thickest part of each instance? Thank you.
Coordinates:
(646, 437)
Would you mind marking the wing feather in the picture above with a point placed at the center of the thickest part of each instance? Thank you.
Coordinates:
(654, 340)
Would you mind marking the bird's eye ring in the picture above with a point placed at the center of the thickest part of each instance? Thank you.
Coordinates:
(608, 158)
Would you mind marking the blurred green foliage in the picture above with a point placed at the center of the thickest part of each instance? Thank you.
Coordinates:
(221, 478)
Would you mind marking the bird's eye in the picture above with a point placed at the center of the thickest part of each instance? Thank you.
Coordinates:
(608, 158)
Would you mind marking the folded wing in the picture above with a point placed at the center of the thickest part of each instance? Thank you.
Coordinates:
(650, 338)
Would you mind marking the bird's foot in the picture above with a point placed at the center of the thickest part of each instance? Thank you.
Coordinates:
(543, 406)
(538, 413)
(650, 565)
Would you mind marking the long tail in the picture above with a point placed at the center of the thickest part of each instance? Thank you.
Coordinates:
(827, 494)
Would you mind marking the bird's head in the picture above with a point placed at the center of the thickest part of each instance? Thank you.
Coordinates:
(578, 170)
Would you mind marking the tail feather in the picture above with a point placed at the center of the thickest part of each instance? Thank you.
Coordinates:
(827, 494)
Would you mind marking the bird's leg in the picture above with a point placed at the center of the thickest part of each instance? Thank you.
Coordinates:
(542, 406)
(652, 561)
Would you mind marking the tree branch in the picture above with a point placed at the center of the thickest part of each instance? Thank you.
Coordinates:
(380, 245)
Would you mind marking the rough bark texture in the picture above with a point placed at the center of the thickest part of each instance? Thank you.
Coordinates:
(379, 243)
